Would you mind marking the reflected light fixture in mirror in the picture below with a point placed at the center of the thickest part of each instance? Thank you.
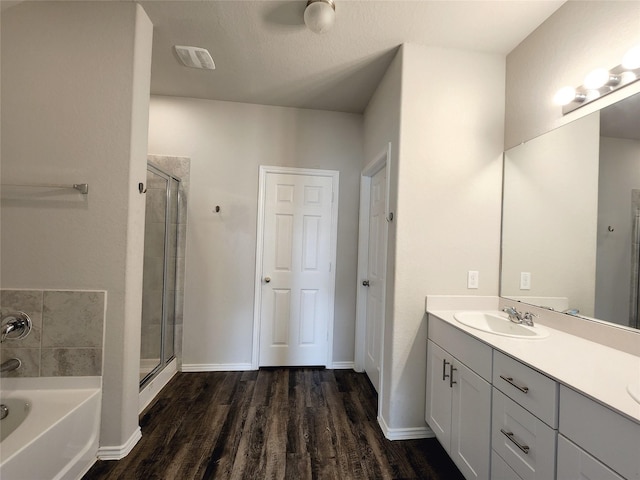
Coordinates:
(320, 15)
(600, 82)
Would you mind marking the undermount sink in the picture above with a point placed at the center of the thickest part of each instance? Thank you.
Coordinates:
(634, 391)
(499, 324)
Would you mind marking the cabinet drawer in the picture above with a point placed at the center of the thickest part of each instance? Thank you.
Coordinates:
(524, 442)
(473, 353)
(573, 462)
(531, 389)
(608, 436)
(500, 470)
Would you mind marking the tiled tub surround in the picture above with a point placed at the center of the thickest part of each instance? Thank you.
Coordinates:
(66, 339)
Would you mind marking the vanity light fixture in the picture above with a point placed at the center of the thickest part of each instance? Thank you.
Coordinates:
(600, 82)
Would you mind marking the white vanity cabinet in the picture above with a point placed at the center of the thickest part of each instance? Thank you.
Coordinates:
(602, 440)
(551, 416)
(459, 399)
(574, 462)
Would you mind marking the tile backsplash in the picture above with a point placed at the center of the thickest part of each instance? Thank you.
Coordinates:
(67, 334)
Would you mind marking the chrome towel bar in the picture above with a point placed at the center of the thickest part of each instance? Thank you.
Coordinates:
(80, 187)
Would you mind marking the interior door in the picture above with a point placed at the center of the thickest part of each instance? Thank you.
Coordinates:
(376, 266)
(297, 270)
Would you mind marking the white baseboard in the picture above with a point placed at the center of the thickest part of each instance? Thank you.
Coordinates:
(216, 367)
(234, 367)
(343, 366)
(121, 451)
(408, 433)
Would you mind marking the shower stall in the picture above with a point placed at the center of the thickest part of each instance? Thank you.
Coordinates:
(158, 330)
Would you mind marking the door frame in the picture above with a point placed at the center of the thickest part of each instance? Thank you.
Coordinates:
(380, 161)
(257, 303)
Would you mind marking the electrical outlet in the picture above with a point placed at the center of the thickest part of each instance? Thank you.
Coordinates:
(525, 280)
(472, 279)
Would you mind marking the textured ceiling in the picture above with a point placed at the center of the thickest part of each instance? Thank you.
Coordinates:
(264, 54)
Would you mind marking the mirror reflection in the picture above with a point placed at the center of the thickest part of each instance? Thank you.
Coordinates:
(571, 217)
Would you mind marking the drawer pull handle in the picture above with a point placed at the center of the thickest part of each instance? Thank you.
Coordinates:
(511, 437)
(510, 381)
(444, 369)
(451, 370)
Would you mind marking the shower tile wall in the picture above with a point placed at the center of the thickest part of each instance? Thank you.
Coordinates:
(180, 168)
(66, 339)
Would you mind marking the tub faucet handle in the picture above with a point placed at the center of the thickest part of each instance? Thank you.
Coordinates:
(15, 325)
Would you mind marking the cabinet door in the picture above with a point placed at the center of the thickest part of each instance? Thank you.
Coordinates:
(575, 463)
(438, 408)
(471, 423)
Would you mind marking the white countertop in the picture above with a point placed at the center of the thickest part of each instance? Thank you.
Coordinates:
(598, 371)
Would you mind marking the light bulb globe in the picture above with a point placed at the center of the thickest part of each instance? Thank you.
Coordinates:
(596, 79)
(631, 59)
(319, 16)
(564, 96)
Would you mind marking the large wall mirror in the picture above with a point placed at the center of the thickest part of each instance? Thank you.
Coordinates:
(571, 217)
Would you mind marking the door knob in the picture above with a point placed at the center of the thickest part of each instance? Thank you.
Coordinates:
(365, 283)
(267, 279)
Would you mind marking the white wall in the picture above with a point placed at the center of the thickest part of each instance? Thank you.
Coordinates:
(619, 173)
(447, 210)
(381, 126)
(75, 92)
(550, 207)
(226, 143)
(579, 37)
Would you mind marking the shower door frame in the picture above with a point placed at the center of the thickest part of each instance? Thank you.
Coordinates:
(163, 362)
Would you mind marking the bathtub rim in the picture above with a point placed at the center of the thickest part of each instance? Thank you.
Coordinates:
(11, 384)
(20, 388)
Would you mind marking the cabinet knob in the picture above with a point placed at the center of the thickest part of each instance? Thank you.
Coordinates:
(267, 279)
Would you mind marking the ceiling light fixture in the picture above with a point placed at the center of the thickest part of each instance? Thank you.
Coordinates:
(195, 57)
(600, 82)
(320, 15)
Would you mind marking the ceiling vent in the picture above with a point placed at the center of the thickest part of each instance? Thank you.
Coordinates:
(195, 57)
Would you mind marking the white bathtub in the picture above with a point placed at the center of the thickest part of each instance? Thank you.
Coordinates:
(58, 439)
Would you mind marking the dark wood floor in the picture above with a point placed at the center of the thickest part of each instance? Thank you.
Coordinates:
(272, 424)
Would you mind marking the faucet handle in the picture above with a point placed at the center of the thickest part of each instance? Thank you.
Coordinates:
(15, 325)
(528, 317)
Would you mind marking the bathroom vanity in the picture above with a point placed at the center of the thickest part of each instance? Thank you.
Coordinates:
(543, 406)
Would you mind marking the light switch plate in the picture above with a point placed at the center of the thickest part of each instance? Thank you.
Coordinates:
(525, 280)
(473, 279)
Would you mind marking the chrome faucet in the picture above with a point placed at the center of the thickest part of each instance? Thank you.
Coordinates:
(515, 316)
(10, 365)
(527, 318)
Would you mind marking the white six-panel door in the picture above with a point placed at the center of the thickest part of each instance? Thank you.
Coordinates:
(297, 270)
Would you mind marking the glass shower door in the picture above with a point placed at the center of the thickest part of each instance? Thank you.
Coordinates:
(159, 273)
